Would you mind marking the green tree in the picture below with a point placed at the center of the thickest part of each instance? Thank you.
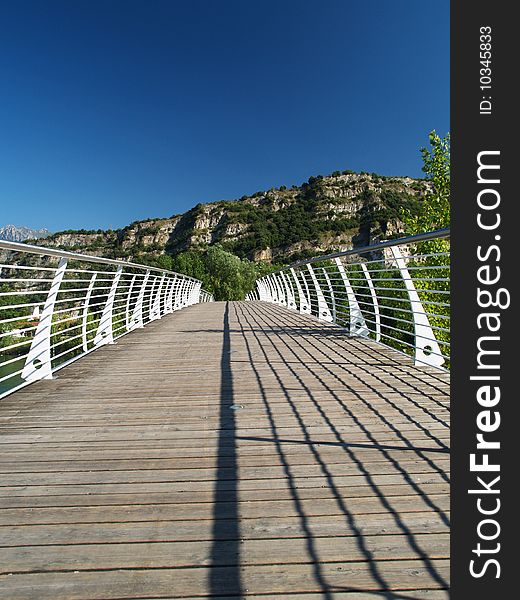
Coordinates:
(435, 210)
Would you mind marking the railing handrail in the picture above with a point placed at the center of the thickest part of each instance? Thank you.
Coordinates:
(411, 239)
(46, 251)
(395, 307)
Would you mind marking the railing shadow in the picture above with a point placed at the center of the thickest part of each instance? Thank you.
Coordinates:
(225, 549)
(281, 351)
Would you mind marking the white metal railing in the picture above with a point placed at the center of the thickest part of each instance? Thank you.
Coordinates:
(396, 292)
(57, 306)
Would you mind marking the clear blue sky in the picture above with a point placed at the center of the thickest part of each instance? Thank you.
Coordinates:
(118, 110)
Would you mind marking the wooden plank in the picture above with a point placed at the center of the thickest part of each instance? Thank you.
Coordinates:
(263, 527)
(170, 512)
(271, 579)
(96, 496)
(130, 475)
(161, 555)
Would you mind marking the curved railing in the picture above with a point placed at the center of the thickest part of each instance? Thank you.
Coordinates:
(57, 306)
(396, 292)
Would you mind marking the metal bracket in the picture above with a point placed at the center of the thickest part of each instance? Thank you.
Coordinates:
(331, 290)
(375, 302)
(272, 289)
(303, 301)
(288, 291)
(427, 349)
(38, 362)
(323, 309)
(84, 322)
(281, 295)
(358, 324)
(137, 317)
(104, 333)
(155, 308)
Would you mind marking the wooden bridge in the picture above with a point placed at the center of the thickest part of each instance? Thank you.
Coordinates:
(229, 450)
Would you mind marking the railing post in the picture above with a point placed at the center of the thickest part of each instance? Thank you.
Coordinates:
(303, 301)
(358, 324)
(168, 305)
(184, 289)
(187, 294)
(307, 291)
(84, 321)
(151, 298)
(331, 290)
(38, 363)
(265, 293)
(260, 288)
(128, 301)
(272, 292)
(427, 349)
(178, 293)
(288, 291)
(375, 302)
(323, 309)
(104, 333)
(194, 293)
(137, 317)
(197, 290)
(155, 301)
(281, 295)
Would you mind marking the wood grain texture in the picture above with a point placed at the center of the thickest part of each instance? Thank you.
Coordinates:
(228, 450)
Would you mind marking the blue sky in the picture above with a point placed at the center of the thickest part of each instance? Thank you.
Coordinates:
(118, 110)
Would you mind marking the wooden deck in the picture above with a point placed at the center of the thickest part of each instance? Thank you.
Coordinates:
(228, 450)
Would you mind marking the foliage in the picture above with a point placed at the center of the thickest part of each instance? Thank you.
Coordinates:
(435, 210)
(222, 273)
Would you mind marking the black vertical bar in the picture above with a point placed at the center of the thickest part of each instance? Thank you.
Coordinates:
(482, 122)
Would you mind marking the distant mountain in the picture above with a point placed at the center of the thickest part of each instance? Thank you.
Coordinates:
(12, 233)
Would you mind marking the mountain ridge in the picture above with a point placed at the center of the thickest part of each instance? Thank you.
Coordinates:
(326, 213)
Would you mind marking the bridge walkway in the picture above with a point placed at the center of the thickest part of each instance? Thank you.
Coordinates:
(228, 450)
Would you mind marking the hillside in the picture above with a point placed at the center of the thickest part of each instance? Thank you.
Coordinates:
(335, 212)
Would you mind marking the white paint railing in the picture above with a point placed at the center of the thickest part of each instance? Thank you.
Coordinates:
(396, 292)
(57, 306)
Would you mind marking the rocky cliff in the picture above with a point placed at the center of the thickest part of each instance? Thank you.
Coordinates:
(335, 212)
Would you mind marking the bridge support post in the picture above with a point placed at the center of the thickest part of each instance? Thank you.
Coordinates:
(272, 291)
(323, 309)
(281, 295)
(151, 298)
(331, 290)
(84, 320)
(155, 301)
(192, 292)
(288, 291)
(427, 349)
(104, 333)
(266, 290)
(185, 292)
(38, 362)
(195, 294)
(137, 316)
(262, 292)
(304, 301)
(179, 294)
(375, 302)
(168, 296)
(175, 293)
(358, 324)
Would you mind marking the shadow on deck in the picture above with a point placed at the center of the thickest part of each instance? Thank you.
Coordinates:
(228, 450)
